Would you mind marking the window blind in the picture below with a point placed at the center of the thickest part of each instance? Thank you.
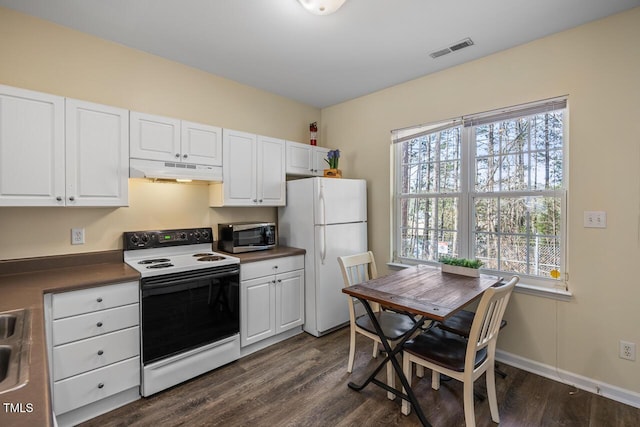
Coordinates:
(515, 112)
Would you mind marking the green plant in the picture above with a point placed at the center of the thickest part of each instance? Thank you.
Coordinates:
(461, 262)
(332, 158)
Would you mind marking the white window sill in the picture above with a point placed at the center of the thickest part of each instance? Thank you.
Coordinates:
(521, 288)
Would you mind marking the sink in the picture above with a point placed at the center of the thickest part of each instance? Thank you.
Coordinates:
(5, 357)
(7, 325)
(15, 346)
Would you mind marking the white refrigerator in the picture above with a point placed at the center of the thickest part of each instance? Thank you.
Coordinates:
(328, 218)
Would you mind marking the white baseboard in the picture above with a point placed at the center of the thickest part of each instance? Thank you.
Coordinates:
(618, 394)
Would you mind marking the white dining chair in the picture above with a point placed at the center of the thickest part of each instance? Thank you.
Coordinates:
(356, 269)
(463, 359)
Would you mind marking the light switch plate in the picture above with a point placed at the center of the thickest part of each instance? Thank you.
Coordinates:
(595, 219)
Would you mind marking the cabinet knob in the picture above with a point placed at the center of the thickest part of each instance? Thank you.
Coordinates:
(99, 299)
(273, 281)
(177, 155)
(275, 266)
(71, 198)
(99, 324)
(100, 352)
(255, 200)
(279, 280)
(184, 156)
(59, 198)
(100, 385)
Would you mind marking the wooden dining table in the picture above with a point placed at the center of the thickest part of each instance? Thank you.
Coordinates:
(425, 293)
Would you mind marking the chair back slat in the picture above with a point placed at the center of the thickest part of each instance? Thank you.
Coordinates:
(356, 269)
(486, 323)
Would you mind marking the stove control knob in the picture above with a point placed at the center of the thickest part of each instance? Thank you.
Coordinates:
(145, 238)
(205, 234)
(135, 239)
(183, 236)
(197, 235)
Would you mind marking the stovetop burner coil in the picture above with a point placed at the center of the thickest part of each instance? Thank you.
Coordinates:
(163, 265)
(153, 261)
(211, 258)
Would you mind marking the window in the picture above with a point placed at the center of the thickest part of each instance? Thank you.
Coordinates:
(489, 186)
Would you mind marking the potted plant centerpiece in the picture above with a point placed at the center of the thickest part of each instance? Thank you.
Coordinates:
(333, 156)
(462, 266)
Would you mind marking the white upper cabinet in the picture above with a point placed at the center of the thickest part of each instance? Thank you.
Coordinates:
(42, 165)
(97, 154)
(173, 140)
(253, 171)
(305, 159)
(31, 148)
(318, 163)
(271, 183)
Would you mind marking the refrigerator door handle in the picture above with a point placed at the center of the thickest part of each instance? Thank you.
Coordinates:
(323, 243)
(321, 202)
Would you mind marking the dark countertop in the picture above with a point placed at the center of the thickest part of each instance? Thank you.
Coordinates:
(23, 284)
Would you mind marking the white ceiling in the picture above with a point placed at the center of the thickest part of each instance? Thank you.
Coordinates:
(278, 46)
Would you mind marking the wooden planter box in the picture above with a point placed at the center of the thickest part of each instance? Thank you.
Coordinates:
(332, 173)
(463, 271)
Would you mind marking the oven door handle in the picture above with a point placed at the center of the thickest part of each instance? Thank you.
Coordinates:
(184, 280)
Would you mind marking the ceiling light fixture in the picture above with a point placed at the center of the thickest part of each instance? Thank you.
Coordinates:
(322, 7)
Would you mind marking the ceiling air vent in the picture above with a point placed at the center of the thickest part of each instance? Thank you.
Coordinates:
(457, 46)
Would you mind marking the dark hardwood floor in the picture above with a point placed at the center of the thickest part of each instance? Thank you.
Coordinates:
(303, 382)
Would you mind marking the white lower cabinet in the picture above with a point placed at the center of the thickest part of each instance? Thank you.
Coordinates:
(93, 343)
(271, 298)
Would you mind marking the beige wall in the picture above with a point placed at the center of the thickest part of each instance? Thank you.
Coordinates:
(598, 66)
(42, 56)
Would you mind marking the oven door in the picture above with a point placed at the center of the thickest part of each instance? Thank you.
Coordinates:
(183, 311)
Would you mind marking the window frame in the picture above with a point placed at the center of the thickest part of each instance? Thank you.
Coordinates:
(467, 193)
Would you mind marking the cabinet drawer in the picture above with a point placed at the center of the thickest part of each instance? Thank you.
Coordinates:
(83, 389)
(264, 268)
(93, 324)
(94, 299)
(82, 356)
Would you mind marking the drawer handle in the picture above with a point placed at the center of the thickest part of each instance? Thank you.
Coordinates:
(99, 299)
(99, 324)
(100, 352)
(100, 385)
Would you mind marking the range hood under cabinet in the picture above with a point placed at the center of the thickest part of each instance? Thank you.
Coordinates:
(168, 148)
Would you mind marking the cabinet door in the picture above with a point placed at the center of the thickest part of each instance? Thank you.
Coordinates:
(318, 164)
(97, 154)
(271, 184)
(201, 144)
(239, 168)
(257, 304)
(31, 148)
(289, 300)
(298, 159)
(154, 137)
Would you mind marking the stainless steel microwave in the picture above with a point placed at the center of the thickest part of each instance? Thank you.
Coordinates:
(239, 237)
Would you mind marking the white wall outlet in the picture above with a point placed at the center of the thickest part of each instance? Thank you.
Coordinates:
(595, 219)
(627, 350)
(77, 236)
